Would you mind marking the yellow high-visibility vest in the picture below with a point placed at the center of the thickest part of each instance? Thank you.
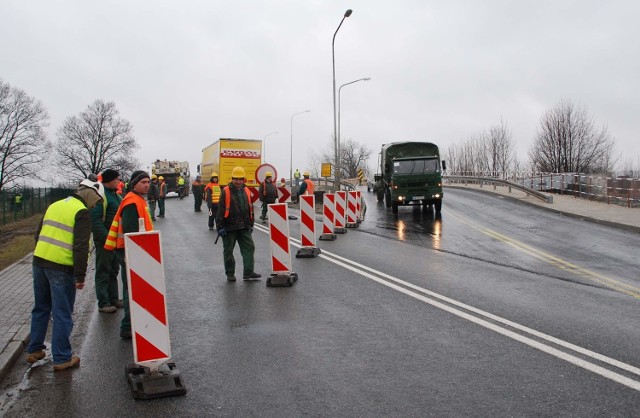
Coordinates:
(55, 242)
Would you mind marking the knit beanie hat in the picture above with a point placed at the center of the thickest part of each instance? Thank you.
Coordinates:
(109, 175)
(136, 177)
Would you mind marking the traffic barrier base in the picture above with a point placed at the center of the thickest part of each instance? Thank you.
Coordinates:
(308, 252)
(152, 384)
(282, 279)
(327, 237)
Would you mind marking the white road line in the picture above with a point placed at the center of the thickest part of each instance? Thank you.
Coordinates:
(385, 279)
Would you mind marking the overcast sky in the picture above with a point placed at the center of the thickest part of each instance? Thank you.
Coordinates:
(185, 73)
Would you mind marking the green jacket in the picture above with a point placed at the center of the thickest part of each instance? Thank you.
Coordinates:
(100, 227)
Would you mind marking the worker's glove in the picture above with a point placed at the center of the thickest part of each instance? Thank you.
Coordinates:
(222, 232)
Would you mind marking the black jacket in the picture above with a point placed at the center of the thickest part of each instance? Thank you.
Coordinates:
(240, 212)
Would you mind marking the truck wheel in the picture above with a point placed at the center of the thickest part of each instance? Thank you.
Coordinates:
(387, 198)
(438, 206)
(394, 207)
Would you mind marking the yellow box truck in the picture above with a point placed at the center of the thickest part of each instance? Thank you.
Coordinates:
(226, 153)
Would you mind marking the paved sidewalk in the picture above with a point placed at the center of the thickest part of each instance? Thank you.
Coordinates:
(16, 296)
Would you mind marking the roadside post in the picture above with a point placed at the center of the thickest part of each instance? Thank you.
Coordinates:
(339, 220)
(308, 227)
(328, 205)
(151, 375)
(280, 246)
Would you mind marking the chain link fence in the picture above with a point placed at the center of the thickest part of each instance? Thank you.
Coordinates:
(21, 203)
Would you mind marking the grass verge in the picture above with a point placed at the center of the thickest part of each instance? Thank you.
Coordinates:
(17, 240)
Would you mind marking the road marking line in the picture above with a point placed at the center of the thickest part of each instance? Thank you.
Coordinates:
(554, 260)
(384, 279)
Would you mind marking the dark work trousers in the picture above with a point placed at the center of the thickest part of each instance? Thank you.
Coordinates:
(161, 206)
(213, 209)
(125, 324)
(197, 198)
(107, 269)
(247, 248)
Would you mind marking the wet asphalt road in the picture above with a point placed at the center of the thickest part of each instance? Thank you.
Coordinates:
(494, 308)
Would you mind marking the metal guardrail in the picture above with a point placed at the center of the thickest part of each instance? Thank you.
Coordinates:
(495, 181)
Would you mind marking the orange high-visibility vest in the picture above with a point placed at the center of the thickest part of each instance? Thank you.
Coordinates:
(310, 186)
(119, 187)
(215, 192)
(227, 201)
(115, 237)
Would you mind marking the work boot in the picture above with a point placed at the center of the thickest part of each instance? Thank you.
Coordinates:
(108, 309)
(75, 361)
(251, 276)
(125, 335)
(35, 356)
(231, 278)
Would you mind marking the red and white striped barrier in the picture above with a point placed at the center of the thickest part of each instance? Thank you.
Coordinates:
(358, 207)
(352, 208)
(328, 205)
(147, 300)
(308, 227)
(280, 247)
(340, 215)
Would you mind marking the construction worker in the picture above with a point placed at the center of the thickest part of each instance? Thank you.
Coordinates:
(197, 188)
(212, 196)
(296, 176)
(107, 265)
(268, 194)
(180, 182)
(162, 187)
(18, 202)
(307, 186)
(132, 208)
(59, 269)
(153, 195)
(234, 221)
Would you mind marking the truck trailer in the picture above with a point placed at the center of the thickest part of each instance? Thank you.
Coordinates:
(170, 170)
(226, 153)
(410, 174)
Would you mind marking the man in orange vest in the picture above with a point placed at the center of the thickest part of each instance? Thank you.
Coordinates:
(197, 188)
(234, 221)
(307, 186)
(212, 195)
(132, 208)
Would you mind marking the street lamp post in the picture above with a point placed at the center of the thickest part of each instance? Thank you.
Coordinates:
(346, 84)
(335, 124)
(291, 150)
(264, 146)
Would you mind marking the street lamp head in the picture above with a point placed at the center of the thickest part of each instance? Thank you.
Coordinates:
(348, 13)
(366, 79)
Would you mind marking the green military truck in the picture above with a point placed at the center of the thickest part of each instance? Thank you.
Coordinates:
(410, 174)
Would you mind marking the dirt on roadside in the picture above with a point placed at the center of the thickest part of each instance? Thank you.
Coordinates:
(17, 240)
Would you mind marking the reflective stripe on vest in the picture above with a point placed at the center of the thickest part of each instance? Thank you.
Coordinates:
(115, 237)
(55, 242)
(227, 201)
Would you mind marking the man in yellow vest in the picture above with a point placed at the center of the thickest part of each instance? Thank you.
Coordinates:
(180, 182)
(59, 268)
(132, 208)
(212, 195)
(235, 224)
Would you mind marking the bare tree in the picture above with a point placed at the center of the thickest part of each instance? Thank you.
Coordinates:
(352, 157)
(567, 141)
(501, 150)
(94, 140)
(23, 143)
